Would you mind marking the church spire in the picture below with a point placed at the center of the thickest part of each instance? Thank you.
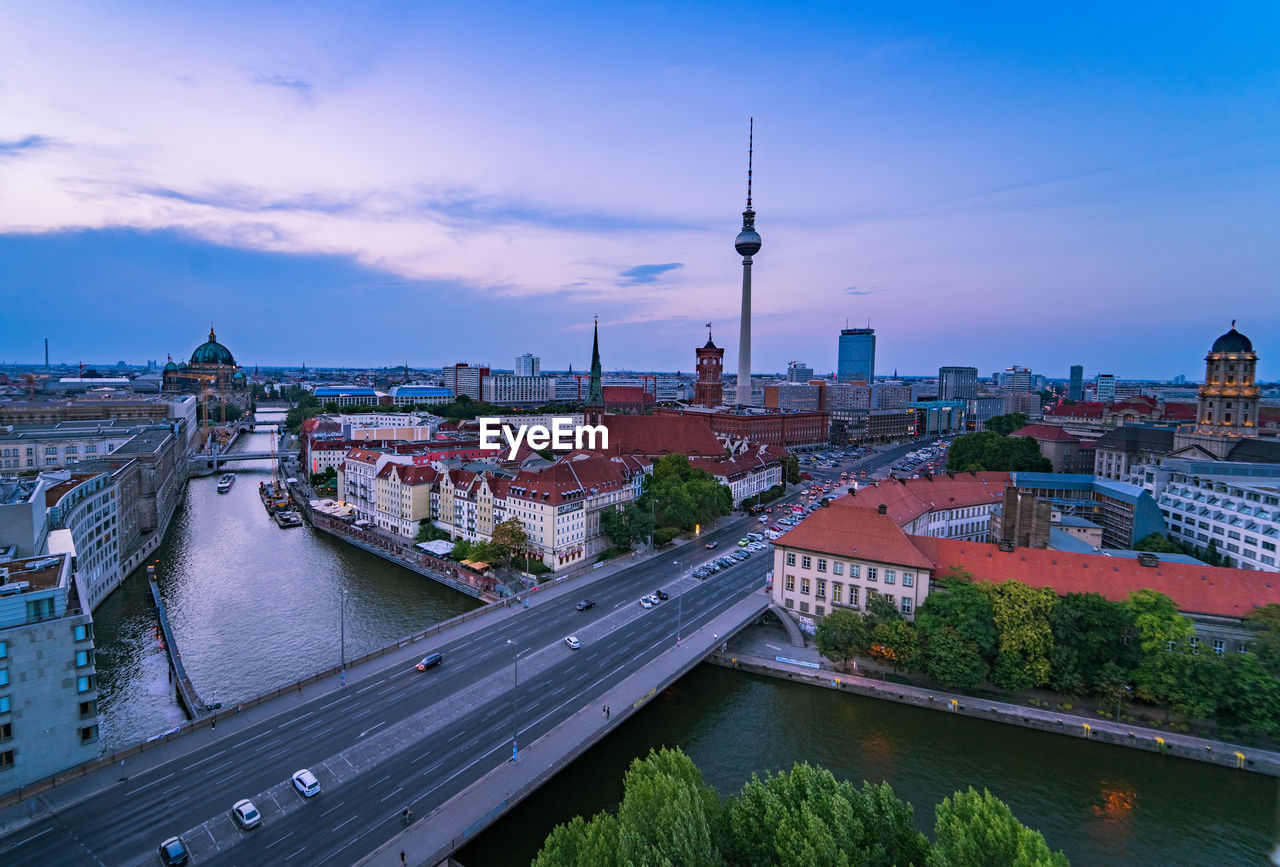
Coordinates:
(595, 396)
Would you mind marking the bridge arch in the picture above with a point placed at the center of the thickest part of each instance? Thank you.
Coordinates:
(789, 624)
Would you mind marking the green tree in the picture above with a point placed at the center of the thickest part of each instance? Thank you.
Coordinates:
(953, 660)
(956, 602)
(895, 643)
(429, 532)
(1159, 543)
(461, 550)
(1252, 695)
(841, 636)
(1088, 632)
(1021, 616)
(987, 451)
(509, 539)
(1264, 640)
(1006, 424)
(792, 466)
(806, 816)
(881, 610)
(975, 830)
(1159, 625)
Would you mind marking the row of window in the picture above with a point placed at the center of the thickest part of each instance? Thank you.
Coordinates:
(837, 592)
(855, 569)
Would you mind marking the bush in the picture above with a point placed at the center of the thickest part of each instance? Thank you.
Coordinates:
(664, 535)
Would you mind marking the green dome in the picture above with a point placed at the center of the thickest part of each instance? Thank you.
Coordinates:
(212, 352)
(239, 374)
(170, 367)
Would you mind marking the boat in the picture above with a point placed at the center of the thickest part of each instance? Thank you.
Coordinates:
(225, 483)
(288, 518)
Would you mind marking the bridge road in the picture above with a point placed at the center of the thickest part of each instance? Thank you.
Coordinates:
(130, 818)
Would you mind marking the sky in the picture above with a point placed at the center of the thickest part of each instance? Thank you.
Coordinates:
(381, 184)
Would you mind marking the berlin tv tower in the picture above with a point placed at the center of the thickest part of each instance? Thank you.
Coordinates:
(747, 244)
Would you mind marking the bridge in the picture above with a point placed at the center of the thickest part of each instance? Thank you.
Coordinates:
(383, 736)
(188, 698)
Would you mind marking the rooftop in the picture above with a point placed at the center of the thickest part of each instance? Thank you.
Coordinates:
(848, 531)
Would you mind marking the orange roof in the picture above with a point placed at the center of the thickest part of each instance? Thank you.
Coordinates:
(908, 499)
(852, 532)
(568, 480)
(1046, 432)
(657, 435)
(1198, 589)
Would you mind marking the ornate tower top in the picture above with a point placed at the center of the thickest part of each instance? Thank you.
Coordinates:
(595, 396)
(748, 241)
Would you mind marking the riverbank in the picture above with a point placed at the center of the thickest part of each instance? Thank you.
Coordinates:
(753, 652)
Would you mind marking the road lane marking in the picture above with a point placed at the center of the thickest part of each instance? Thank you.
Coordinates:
(295, 854)
(373, 685)
(281, 840)
(153, 782)
(344, 824)
(32, 837)
(255, 737)
(205, 759)
(331, 809)
(225, 779)
(220, 767)
(366, 731)
(392, 795)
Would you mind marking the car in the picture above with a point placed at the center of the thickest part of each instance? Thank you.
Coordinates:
(769, 510)
(653, 597)
(173, 852)
(585, 604)
(763, 519)
(744, 542)
(710, 545)
(573, 642)
(431, 660)
(306, 783)
(662, 594)
(645, 603)
(246, 814)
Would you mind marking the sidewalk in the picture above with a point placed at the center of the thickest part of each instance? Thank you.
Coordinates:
(757, 650)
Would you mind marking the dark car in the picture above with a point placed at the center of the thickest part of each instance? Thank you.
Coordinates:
(585, 604)
(710, 545)
(431, 660)
(173, 852)
(662, 594)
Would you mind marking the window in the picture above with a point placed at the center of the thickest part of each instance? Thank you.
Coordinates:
(83, 658)
(908, 580)
(1195, 642)
(853, 595)
(6, 731)
(4, 677)
(822, 589)
(890, 576)
(791, 582)
(4, 650)
(804, 607)
(88, 734)
(88, 708)
(871, 573)
(1242, 647)
(806, 562)
(85, 683)
(789, 602)
(837, 592)
(837, 568)
(822, 564)
(804, 586)
(791, 558)
(1219, 646)
(906, 604)
(1168, 646)
(6, 760)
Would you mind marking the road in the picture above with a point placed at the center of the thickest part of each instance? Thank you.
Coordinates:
(398, 737)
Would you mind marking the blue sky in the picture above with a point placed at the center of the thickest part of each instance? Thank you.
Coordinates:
(391, 183)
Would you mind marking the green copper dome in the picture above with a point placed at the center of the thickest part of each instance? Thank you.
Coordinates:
(212, 352)
(170, 367)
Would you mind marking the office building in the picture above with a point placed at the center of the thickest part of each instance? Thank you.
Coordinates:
(1016, 380)
(464, 378)
(1104, 388)
(798, 371)
(528, 365)
(957, 383)
(856, 357)
(506, 390)
(1075, 388)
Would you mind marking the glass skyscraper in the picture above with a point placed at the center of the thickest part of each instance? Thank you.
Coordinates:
(856, 360)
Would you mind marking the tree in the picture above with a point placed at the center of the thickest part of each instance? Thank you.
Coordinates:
(461, 550)
(988, 451)
(841, 636)
(1264, 641)
(881, 611)
(806, 816)
(973, 829)
(1006, 424)
(683, 496)
(1021, 616)
(1088, 633)
(1252, 695)
(953, 660)
(1159, 543)
(508, 539)
(1156, 618)
(894, 643)
(429, 532)
(956, 602)
(792, 468)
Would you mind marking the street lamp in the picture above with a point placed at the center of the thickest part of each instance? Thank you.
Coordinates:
(515, 725)
(1120, 695)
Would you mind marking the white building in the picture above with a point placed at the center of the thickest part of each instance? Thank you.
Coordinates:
(347, 395)
(747, 474)
(54, 447)
(408, 395)
(528, 365)
(506, 390)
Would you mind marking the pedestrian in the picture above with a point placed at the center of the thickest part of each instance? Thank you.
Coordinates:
(239, 708)
(213, 723)
(299, 687)
(402, 861)
(606, 711)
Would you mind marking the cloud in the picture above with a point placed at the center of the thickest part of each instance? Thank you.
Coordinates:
(854, 290)
(17, 146)
(647, 273)
(301, 85)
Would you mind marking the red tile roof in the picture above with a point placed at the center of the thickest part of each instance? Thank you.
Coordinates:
(738, 466)
(657, 435)
(908, 499)
(1180, 412)
(1195, 589)
(853, 532)
(568, 480)
(1086, 409)
(1046, 432)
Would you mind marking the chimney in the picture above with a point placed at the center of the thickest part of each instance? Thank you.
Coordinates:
(882, 509)
(1146, 558)
(1005, 545)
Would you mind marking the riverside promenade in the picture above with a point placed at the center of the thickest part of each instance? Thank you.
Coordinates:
(764, 651)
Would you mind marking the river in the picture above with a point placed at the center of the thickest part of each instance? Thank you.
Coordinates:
(255, 607)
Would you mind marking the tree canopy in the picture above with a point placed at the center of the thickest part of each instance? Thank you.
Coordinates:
(988, 451)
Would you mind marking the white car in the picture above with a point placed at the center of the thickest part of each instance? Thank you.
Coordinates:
(306, 783)
(645, 603)
(246, 814)
(573, 642)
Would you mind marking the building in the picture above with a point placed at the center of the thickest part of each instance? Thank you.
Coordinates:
(179, 410)
(403, 497)
(856, 356)
(754, 471)
(957, 383)
(708, 390)
(629, 399)
(212, 367)
(528, 365)
(86, 504)
(410, 395)
(805, 397)
(463, 378)
(841, 556)
(798, 371)
(32, 448)
(1126, 513)
(48, 676)
(505, 390)
(1075, 386)
(347, 395)
(1025, 402)
(1228, 401)
(950, 506)
(1024, 520)
(24, 523)
(761, 426)
(1015, 379)
(1120, 451)
(938, 417)
(1066, 452)
(1104, 387)
(747, 244)
(978, 410)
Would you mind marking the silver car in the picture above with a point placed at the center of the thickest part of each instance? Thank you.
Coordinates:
(246, 814)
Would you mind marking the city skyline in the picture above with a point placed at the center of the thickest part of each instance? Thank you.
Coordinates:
(388, 188)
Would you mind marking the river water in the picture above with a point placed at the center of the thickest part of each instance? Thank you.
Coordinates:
(255, 607)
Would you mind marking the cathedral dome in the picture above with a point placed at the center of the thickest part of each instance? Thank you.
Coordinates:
(171, 367)
(1232, 341)
(213, 352)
